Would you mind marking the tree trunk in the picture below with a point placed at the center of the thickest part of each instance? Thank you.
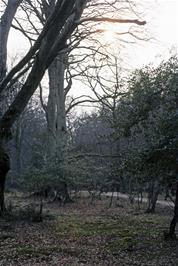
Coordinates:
(55, 109)
(174, 221)
(153, 193)
(5, 24)
(4, 168)
(111, 201)
(17, 156)
(55, 112)
(67, 196)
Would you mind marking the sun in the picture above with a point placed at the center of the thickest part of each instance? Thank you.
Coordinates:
(109, 34)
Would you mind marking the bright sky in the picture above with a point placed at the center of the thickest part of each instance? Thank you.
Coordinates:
(162, 28)
(162, 25)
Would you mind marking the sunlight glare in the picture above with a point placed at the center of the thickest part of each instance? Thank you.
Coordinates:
(109, 34)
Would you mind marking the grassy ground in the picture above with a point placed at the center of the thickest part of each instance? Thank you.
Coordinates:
(81, 234)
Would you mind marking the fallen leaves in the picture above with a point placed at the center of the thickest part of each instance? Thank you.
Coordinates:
(82, 234)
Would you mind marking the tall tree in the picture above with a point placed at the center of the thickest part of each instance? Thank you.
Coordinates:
(55, 108)
(5, 25)
(51, 42)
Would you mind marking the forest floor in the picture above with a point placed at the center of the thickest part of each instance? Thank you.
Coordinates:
(85, 234)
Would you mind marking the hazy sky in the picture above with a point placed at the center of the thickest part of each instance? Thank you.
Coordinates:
(162, 28)
(162, 24)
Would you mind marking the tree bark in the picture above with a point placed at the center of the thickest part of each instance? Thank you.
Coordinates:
(55, 109)
(174, 221)
(5, 24)
(67, 196)
(18, 137)
(153, 196)
(4, 168)
(55, 112)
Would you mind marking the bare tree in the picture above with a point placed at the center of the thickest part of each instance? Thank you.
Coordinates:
(5, 24)
(63, 69)
(51, 42)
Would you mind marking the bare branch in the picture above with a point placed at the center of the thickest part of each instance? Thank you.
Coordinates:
(112, 20)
